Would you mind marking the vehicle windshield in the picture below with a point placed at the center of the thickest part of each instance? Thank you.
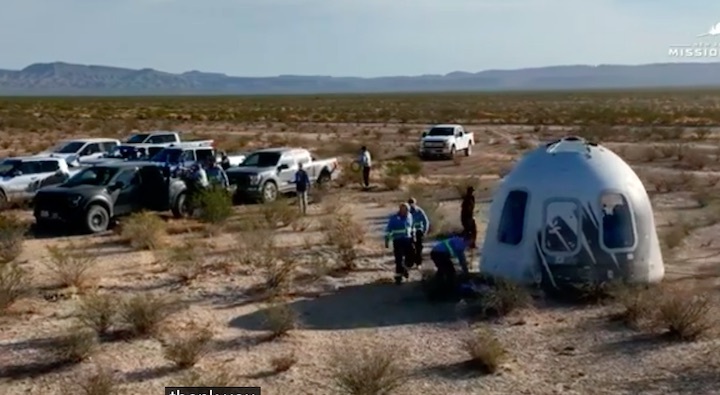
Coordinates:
(168, 155)
(8, 166)
(68, 147)
(441, 132)
(261, 159)
(137, 139)
(92, 176)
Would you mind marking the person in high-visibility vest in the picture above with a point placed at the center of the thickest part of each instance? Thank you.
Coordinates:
(421, 224)
(399, 230)
(443, 253)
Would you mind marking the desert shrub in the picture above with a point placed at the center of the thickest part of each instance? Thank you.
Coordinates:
(344, 234)
(185, 261)
(102, 382)
(369, 371)
(500, 299)
(485, 350)
(144, 230)
(280, 319)
(186, 349)
(215, 205)
(13, 284)
(143, 313)
(284, 362)
(637, 305)
(98, 312)
(12, 234)
(75, 346)
(278, 275)
(71, 266)
(684, 314)
(675, 234)
(256, 248)
(394, 172)
(279, 213)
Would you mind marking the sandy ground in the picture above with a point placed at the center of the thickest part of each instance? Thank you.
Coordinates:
(553, 349)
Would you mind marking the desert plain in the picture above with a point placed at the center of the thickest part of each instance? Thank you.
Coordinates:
(258, 295)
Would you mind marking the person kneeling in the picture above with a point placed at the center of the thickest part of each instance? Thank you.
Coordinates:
(443, 255)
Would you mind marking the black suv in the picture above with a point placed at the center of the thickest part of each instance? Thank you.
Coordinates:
(96, 195)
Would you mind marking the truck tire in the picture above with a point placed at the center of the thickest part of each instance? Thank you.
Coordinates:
(269, 192)
(468, 150)
(452, 152)
(179, 207)
(97, 219)
(324, 178)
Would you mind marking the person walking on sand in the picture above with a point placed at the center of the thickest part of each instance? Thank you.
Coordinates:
(302, 185)
(421, 224)
(467, 216)
(365, 162)
(399, 230)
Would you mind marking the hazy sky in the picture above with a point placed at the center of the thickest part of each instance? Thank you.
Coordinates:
(347, 37)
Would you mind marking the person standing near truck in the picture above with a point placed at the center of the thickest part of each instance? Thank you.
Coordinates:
(365, 162)
(302, 185)
(399, 230)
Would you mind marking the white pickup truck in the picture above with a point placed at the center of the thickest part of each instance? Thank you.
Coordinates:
(446, 140)
(154, 137)
(21, 177)
(77, 150)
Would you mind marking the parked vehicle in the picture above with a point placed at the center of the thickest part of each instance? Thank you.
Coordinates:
(154, 137)
(446, 141)
(124, 152)
(269, 172)
(78, 150)
(185, 154)
(21, 177)
(96, 195)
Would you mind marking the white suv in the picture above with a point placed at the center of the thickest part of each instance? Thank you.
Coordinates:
(21, 177)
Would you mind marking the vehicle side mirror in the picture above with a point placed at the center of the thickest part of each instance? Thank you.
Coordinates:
(424, 134)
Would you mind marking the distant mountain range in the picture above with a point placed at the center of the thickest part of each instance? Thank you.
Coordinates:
(73, 79)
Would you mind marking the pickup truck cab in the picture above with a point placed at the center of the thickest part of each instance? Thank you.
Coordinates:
(77, 150)
(96, 195)
(154, 137)
(266, 173)
(185, 154)
(124, 152)
(446, 140)
(21, 177)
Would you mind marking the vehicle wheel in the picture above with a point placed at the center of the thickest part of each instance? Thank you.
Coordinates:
(452, 152)
(468, 150)
(4, 203)
(269, 192)
(323, 179)
(97, 219)
(180, 209)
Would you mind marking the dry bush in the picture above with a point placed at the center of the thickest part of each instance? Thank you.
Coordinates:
(102, 382)
(12, 234)
(278, 275)
(144, 230)
(392, 182)
(702, 133)
(256, 248)
(485, 350)
(75, 346)
(71, 266)
(143, 313)
(13, 284)
(501, 298)
(284, 362)
(685, 314)
(675, 234)
(280, 319)
(217, 376)
(368, 371)
(279, 213)
(637, 304)
(343, 234)
(98, 312)
(186, 349)
(185, 261)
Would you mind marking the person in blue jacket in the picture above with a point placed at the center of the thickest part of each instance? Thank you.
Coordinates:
(443, 255)
(421, 225)
(399, 230)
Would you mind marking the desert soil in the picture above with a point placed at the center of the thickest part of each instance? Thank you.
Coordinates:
(552, 348)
